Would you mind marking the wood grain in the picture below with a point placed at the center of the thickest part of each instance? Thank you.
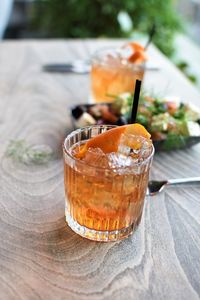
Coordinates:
(40, 257)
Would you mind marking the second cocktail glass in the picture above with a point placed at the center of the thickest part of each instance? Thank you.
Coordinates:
(112, 75)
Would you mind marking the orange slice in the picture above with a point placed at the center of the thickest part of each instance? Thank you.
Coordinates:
(108, 141)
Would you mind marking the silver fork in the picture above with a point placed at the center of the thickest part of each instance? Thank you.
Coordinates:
(155, 187)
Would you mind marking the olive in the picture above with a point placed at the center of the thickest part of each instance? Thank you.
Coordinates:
(77, 111)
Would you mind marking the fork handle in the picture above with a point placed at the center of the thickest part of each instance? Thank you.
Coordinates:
(183, 181)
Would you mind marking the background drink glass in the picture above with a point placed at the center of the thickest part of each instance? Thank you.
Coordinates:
(111, 74)
(102, 204)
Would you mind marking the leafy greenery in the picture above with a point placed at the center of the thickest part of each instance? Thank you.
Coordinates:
(99, 18)
(184, 67)
(174, 141)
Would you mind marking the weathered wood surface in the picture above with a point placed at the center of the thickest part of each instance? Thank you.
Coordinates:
(40, 257)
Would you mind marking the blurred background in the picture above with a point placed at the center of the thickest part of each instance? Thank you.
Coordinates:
(177, 24)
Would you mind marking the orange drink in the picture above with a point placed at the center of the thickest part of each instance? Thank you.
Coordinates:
(113, 73)
(105, 190)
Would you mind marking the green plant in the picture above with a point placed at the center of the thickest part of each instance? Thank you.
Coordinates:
(97, 18)
(184, 67)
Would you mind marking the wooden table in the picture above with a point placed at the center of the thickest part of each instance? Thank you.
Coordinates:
(40, 257)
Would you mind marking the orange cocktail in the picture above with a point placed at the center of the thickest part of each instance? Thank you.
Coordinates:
(104, 191)
(114, 71)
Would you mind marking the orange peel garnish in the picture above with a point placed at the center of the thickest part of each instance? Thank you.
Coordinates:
(108, 141)
(138, 54)
(138, 57)
(135, 46)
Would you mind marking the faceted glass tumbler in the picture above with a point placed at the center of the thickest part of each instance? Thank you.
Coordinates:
(102, 204)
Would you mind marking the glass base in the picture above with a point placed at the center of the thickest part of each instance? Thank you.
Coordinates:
(101, 236)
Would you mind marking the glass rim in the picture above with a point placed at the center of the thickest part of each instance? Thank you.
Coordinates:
(66, 151)
(95, 58)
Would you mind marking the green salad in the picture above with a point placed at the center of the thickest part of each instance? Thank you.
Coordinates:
(172, 124)
(167, 120)
(161, 117)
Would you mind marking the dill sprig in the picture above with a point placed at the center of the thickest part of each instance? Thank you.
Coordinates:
(20, 150)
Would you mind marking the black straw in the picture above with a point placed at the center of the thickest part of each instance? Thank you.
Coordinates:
(151, 35)
(135, 101)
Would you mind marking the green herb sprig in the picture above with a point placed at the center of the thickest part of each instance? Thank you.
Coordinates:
(20, 150)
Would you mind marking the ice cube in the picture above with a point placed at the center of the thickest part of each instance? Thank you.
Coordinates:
(113, 60)
(118, 160)
(146, 149)
(122, 164)
(96, 157)
(134, 146)
(125, 52)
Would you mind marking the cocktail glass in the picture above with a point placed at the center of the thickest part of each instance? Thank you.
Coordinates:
(112, 75)
(103, 203)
